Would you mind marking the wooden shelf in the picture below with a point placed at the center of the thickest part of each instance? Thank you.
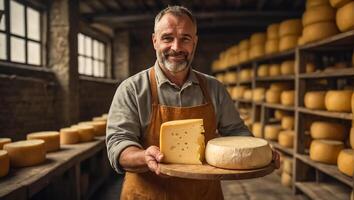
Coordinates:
(219, 71)
(278, 106)
(276, 145)
(331, 170)
(243, 100)
(276, 78)
(339, 115)
(329, 74)
(245, 82)
(258, 103)
(323, 191)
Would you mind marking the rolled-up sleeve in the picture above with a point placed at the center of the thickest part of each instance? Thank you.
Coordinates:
(123, 125)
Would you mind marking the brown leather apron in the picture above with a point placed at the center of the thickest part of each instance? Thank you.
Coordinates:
(150, 186)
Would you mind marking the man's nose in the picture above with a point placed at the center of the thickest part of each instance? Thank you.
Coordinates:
(176, 45)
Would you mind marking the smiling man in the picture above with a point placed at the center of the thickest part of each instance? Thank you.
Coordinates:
(170, 90)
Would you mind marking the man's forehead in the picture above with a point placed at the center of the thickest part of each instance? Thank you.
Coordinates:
(170, 21)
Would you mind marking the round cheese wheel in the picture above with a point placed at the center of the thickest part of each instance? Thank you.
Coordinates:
(345, 16)
(26, 153)
(99, 127)
(220, 77)
(287, 98)
(315, 100)
(287, 67)
(101, 119)
(319, 31)
(263, 70)
(286, 138)
(237, 92)
(322, 13)
(346, 162)
(287, 122)
(310, 67)
(245, 75)
(272, 46)
(238, 152)
(105, 115)
(4, 163)
(230, 77)
(271, 131)
(243, 45)
(247, 94)
(258, 94)
(257, 129)
(243, 56)
(258, 38)
(86, 132)
(273, 31)
(314, 3)
(290, 27)
(286, 179)
(279, 114)
(288, 165)
(4, 141)
(51, 139)
(327, 130)
(300, 41)
(338, 100)
(288, 42)
(274, 70)
(256, 51)
(325, 151)
(353, 103)
(280, 86)
(338, 3)
(69, 136)
(273, 96)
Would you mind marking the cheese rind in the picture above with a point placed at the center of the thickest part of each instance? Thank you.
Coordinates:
(263, 70)
(182, 141)
(274, 70)
(287, 122)
(69, 136)
(4, 163)
(273, 96)
(271, 131)
(351, 137)
(319, 31)
(325, 151)
(345, 17)
(4, 141)
(286, 138)
(272, 46)
(315, 100)
(288, 42)
(288, 165)
(338, 3)
(290, 27)
(51, 139)
(346, 162)
(98, 126)
(287, 67)
(257, 129)
(238, 152)
(317, 14)
(273, 31)
(327, 130)
(287, 98)
(86, 132)
(286, 179)
(338, 100)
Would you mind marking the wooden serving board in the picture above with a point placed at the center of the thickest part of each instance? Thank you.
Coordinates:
(208, 172)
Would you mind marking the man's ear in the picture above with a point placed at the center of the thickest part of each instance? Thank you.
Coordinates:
(154, 40)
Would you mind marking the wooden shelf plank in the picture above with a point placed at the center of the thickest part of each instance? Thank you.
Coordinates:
(331, 170)
(278, 106)
(323, 191)
(329, 74)
(276, 78)
(339, 115)
(245, 82)
(276, 145)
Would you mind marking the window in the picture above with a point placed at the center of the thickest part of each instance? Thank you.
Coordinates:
(92, 56)
(20, 33)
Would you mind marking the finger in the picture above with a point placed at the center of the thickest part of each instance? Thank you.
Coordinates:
(152, 164)
(155, 152)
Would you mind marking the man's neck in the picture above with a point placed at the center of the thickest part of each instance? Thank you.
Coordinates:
(178, 78)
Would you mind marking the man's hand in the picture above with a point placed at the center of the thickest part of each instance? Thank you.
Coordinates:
(276, 158)
(152, 158)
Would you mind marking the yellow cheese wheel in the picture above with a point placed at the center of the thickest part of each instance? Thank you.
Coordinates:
(287, 98)
(69, 136)
(338, 100)
(230, 77)
(319, 31)
(258, 94)
(300, 41)
(243, 56)
(257, 129)
(105, 115)
(220, 77)
(310, 67)
(274, 70)
(325, 151)
(258, 38)
(353, 103)
(315, 100)
(288, 165)
(351, 137)
(322, 13)
(99, 127)
(345, 17)
(286, 138)
(26, 153)
(245, 75)
(287, 67)
(346, 162)
(51, 139)
(256, 51)
(4, 163)
(286, 179)
(243, 45)
(271, 131)
(273, 31)
(327, 130)
(247, 94)
(280, 86)
(279, 114)
(287, 122)
(314, 3)
(237, 92)
(86, 132)
(263, 70)
(103, 119)
(290, 27)
(272, 46)
(273, 96)
(4, 141)
(288, 42)
(338, 3)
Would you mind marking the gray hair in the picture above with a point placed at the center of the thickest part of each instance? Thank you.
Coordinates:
(176, 11)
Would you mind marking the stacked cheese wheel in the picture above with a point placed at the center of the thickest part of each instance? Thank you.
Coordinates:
(287, 67)
(258, 94)
(263, 70)
(257, 42)
(344, 14)
(273, 94)
(287, 171)
(257, 129)
(272, 43)
(318, 21)
(287, 98)
(243, 49)
(237, 92)
(332, 100)
(289, 32)
(230, 77)
(245, 75)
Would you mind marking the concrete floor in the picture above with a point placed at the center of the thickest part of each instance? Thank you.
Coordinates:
(265, 188)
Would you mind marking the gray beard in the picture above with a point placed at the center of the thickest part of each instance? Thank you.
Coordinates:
(172, 67)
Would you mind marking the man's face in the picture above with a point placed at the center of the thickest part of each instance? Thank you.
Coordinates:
(175, 40)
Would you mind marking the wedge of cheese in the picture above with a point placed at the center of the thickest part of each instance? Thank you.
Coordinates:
(238, 152)
(182, 141)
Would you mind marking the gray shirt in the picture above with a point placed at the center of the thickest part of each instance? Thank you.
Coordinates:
(129, 115)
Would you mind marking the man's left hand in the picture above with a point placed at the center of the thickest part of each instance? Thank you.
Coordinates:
(276, 158)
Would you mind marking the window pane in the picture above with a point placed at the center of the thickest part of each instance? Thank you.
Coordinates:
(101, 51)
(33, 24)
(81, 65)
(17, 18)
(34, 53)
(88, 66)
(17, 49)
(81, 39)
(95, 49)
(96, 68)
(102, 68)
(2, 19)
(88, 46)
(3, 52)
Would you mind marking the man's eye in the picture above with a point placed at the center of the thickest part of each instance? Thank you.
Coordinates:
(186, 39)
(167, 39)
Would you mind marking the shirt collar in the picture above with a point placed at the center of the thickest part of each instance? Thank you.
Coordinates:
(161, 77)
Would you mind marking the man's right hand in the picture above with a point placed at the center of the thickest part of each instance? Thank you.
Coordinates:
(153, 157)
